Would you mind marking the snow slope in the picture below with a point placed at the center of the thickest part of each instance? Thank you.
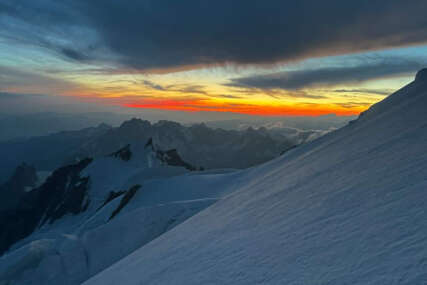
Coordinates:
(348, 208)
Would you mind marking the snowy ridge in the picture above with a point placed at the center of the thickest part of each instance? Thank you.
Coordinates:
(348, 208)
(83, 211)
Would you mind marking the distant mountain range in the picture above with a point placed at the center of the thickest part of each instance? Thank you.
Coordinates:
(301, 123)
(198, 144)
(19, 126)
(41, 124)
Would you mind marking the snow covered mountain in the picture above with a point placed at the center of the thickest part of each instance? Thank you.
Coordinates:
(83, 209)
(197, 144)
(348, 208)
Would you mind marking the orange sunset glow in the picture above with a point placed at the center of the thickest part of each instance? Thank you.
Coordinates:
(248, 109)
(178, 92)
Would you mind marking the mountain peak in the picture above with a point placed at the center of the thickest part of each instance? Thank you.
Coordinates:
(104, 126)
(421, 75)
(135, 124)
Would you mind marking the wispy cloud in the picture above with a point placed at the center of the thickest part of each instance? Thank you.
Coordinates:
(20, 81)
(176, 88)
(191, 88)
(7, 95)
(365, 91)
(276, 93)
(153, 85)
(350, 105)
(228, 96)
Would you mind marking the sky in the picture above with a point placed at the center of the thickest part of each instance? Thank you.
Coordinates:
(252, 57)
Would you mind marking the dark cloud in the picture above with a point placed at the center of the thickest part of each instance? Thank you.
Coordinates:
(349, 105)
(153, 85)
(369, 91)
(171, 35)
(294, 80)
(228, 96)
(74, 54)
(275, 93)
(194, 88)
(181, 88)
(301, 94)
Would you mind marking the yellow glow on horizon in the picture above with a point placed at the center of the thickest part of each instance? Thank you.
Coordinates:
(179, 92)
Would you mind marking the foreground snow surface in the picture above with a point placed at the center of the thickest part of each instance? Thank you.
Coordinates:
(348, 208)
